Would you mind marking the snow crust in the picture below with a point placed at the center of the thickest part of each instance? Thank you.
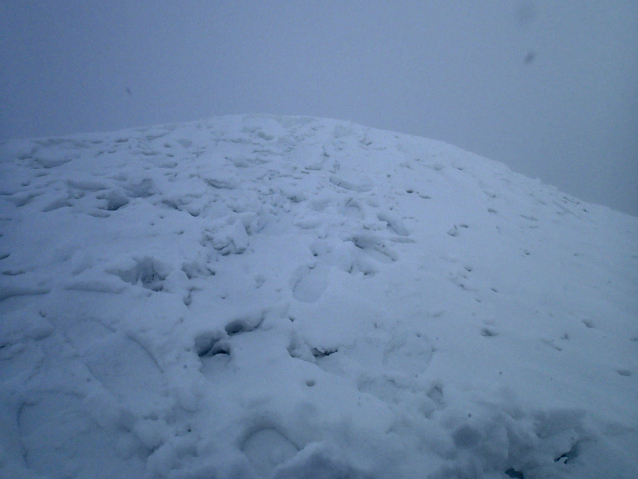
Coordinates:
(283, 297)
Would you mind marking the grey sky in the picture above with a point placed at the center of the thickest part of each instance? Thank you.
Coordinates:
(548, 87)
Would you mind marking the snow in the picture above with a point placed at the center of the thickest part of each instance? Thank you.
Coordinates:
(283, 297)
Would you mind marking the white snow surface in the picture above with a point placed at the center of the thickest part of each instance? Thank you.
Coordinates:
(283, 297)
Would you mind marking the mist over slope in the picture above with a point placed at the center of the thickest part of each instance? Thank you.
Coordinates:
(283, 297)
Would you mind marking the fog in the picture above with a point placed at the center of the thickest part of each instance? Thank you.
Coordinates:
(549, 88)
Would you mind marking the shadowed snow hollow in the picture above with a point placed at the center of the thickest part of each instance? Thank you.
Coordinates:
(281, 297)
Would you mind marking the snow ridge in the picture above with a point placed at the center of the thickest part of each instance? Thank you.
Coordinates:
(284, 297)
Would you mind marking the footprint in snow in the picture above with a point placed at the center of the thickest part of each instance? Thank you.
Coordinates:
(57, 428)
(309, 282)
(127, 370)
(267, 448)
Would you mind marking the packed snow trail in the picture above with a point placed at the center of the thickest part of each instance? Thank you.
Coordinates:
(284, 297)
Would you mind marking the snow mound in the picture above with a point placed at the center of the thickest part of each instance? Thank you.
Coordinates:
(283, 297)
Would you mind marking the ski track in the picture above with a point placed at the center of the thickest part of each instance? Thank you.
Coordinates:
(283, 297)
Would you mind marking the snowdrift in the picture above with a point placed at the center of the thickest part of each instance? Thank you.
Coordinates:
(283, 297)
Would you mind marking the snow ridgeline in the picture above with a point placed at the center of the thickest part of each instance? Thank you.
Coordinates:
(266, 297)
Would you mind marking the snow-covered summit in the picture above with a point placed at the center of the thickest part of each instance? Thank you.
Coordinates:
(283, 297)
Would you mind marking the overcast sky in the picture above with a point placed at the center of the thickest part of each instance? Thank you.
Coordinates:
(548, 87)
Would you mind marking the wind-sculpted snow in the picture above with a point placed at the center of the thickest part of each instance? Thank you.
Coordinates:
(264, 297)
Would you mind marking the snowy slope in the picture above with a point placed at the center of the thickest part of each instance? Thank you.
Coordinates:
(259, 297)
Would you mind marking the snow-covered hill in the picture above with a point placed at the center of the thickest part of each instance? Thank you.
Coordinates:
(266, 297)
